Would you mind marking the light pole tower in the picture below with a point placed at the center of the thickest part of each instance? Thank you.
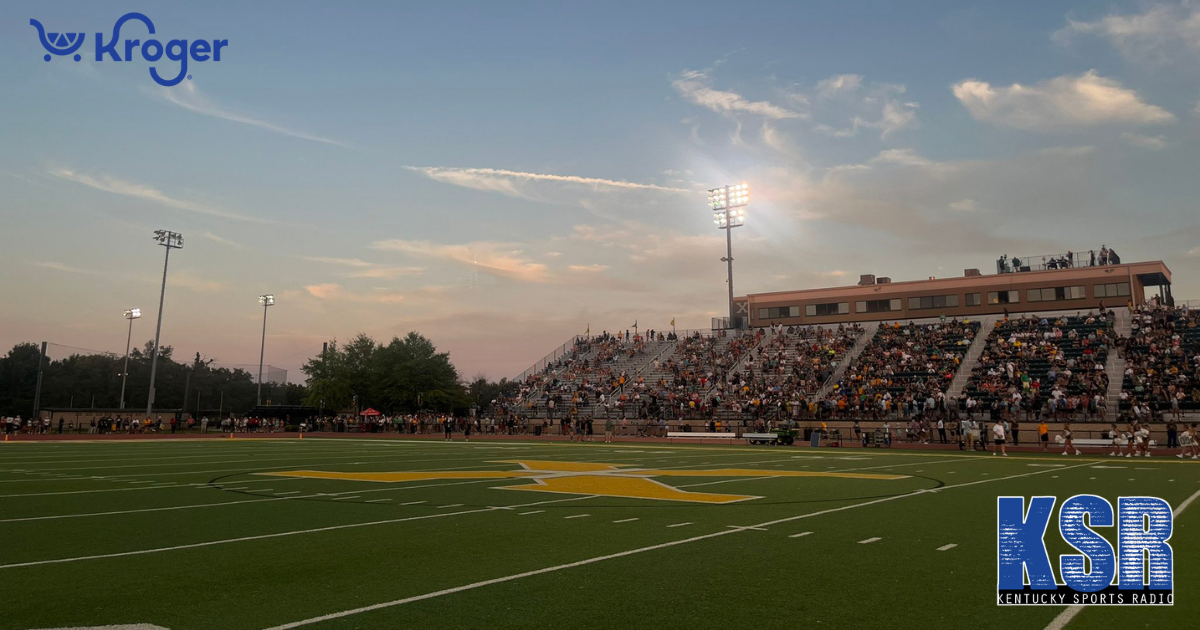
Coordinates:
(728, 205)
(169, 240)
(130, 314)
(266, 301)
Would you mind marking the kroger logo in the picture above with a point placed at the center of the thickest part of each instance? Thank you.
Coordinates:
(1139, 571)
(200, 50)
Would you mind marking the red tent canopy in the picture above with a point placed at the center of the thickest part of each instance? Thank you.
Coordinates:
(370, 412)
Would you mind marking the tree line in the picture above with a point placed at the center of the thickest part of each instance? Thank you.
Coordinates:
(402, 376)
(93, 381)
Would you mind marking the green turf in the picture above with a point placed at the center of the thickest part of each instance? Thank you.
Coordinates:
(725, 578)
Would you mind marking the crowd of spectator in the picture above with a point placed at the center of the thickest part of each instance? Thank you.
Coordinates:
(904, 372)
(1162, 362)
(1034, 365)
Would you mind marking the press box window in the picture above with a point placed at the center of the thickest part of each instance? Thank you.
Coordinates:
(824, 310)
(877, 306)
(1053, 294)
(934, 301)
(1004, 297)
(777, 312)
(1120, 289)
(972, 299)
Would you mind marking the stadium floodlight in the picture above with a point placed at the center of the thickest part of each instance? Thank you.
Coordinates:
(266, 300)
(728, 205)
(169, 240)
(130, 314)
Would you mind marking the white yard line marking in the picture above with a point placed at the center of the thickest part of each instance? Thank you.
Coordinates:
(947, 547)
(869, 540)
(284, 494)
(413, 503)
(225, 541)
(528, 513)
(578, 516)
(1069, 613)
(626, 520)
(757, 529)
(620, 554)
(452, 505)
(346, 498)
(679, 524)
(800, 535)
(378, 500)
(143, 510)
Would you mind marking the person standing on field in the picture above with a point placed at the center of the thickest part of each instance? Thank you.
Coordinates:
(998, 438)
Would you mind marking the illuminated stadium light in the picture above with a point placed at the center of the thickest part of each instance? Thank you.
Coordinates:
(727, 204)
(169, 240)
(130, 314)
(266, 300)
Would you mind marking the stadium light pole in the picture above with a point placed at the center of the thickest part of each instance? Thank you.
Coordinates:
(728, 205)
(130, 314)
(266, 301)
(169, 240)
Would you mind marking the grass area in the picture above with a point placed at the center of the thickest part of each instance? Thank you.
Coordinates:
(191, 535)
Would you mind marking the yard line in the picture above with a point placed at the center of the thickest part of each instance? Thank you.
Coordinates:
(528, 513)
(142, 510)
(48, 494)
(578, 516)
(869, 540)
(315, 530)
(800, 535)
(346, 498)
(452, 505)
(947, 547)
(679, 524)
(236, 489)
(626, 520)
(284, 494)
(620, 554)
(378, 500)
(757, 529)
(1069, 613)
(413, 503)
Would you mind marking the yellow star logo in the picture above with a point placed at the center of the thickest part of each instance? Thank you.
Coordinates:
(606, 480)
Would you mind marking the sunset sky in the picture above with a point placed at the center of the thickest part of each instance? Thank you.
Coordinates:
(499, 176)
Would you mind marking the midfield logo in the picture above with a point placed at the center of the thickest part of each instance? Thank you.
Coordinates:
(200, 50)
(605, 480)
(1139, 573)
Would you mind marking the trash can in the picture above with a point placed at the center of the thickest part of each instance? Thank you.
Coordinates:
(537, 430)
(815, 440)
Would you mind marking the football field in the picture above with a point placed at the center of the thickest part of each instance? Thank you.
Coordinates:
(324, 534)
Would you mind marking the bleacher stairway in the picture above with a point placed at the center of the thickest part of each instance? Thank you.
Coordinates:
(869, 330)
(986, 324)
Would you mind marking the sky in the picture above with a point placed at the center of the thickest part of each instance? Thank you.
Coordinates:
(502, 176)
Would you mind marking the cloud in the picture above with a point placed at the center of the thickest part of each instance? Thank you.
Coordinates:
(1156, 35)
(1066, 101)
(189, 281)
(188, 96)
(65, 268)
(334, 292)
(1193, 252)
(508, 182)
(1151, 143)
(588, 268)
(840, 84)
(147, 193)
(553, 254)
(505, 260)
(694, 85)
(902, 157)
(963, 205)
(364, 269)
(223, 241)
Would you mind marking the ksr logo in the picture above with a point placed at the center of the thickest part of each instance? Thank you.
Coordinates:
(200, 50)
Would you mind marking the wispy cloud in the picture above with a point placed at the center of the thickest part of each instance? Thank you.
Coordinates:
(188, 96)
(505, 260)
(508, 182)
(1151, 143)
(147, 193)
(588, 268)
(695, 86)
(1155, 35)
(223, 241)
(364, 269)
(1066, 101)
(65, 268)
(332, 291)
